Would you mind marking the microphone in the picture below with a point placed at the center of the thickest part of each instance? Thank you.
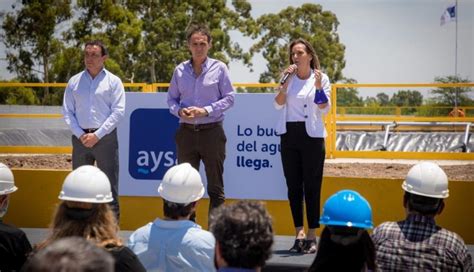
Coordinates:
(284, 78)
(287, 75)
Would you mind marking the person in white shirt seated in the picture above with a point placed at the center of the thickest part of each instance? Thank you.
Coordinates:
(176, 243)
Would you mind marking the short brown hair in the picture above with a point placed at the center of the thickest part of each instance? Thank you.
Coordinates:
(309, 49)
(198, 28)
(99, 44)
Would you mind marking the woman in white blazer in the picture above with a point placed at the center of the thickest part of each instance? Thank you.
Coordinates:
(302, 100)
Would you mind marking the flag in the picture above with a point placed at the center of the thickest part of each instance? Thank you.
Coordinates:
(448, 15)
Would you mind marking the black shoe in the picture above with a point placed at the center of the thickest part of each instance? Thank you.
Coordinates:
(310, 246)
(298, 246)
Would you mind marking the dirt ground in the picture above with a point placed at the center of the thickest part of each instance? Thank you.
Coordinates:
(380, 170)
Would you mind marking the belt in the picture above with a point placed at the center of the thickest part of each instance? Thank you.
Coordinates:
(198, 127)
(90, 130)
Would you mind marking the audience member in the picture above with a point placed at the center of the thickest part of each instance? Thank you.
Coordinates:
(244, 236)
(14, 245)
(176, 243)
(84, 212)
(72, 254)
(345, 244)
(417, 243)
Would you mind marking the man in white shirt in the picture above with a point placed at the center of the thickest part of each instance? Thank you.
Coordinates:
(94, 104)
(176, 243)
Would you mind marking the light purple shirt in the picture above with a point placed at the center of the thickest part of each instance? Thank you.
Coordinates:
(211, 90)
(94, 103)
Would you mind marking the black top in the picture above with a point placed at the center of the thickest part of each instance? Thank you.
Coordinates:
(14, 247)
(125, 259)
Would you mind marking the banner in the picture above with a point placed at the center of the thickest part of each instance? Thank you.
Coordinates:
(252, 168)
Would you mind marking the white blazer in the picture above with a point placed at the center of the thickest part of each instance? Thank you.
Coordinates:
(314, 115)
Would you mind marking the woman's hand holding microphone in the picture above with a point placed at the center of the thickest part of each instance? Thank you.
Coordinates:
(286, 75)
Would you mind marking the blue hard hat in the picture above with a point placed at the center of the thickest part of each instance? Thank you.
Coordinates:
(347, 208)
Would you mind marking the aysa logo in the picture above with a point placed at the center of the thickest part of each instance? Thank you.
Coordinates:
(152, 147)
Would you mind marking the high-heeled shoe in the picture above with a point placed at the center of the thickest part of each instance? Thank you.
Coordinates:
(297, 246)
(310, 246)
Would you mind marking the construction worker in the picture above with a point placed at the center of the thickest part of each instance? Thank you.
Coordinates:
(345, 244)
(176, 243)
(14, 245)
(84, 212)
(417, 243)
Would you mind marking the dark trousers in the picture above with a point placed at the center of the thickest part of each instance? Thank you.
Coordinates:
(303, 162)
(105, 153)
(207, 145)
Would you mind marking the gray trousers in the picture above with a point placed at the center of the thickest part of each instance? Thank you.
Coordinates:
(105, 154)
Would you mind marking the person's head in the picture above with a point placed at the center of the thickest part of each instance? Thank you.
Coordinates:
(334, 256)
(95, 54)
(180, 189)
(347, 214)
(84, 209)
(73, 254)
(302, 53)
(426, 187)
(199, 41)
(244, 234)
(345, 241)
(7, 186)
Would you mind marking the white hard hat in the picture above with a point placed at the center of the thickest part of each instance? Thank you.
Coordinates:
(7, 183)
(427, 179)
(86, 184)
(181, 184)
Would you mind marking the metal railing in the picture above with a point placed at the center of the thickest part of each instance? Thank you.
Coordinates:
(332, 121)
(335, 119)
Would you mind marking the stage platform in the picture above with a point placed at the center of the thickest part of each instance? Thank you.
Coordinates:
(281, 259)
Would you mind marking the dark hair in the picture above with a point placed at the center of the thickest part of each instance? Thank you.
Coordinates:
(176, 210)
(72, 254)
(422, 204)
(332, 256)
(99, 44)
(198, 28)
(244, 233)
(314, 64)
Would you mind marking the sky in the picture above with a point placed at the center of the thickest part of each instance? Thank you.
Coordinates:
(387, 41)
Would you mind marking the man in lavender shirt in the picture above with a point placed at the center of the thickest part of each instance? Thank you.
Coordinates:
(199, 94)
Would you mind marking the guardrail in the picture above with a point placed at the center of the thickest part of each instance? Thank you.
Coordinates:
(333, 120)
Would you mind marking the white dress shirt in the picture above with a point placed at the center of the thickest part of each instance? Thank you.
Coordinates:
(94, 103)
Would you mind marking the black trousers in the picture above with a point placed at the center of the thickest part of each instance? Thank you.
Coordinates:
(303, 161)
(208, 145)
(105, 153)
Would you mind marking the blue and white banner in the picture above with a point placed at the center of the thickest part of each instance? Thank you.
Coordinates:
(252, 168)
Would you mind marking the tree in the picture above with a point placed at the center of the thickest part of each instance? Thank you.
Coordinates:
(29, 34)
(451, 96)
(276, 31)
(349, 96)
(17, 96)
(406, 98)
(147, 39)
(383, 99)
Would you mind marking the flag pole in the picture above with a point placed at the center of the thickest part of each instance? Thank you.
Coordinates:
(456, 10)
